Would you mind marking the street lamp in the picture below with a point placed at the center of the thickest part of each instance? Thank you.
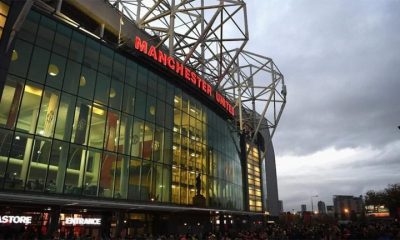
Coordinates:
(312, 203)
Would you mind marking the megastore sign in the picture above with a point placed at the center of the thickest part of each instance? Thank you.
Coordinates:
(6, 219)
(176, 66)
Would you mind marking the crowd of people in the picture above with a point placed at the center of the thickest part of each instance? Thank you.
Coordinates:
(377, 230)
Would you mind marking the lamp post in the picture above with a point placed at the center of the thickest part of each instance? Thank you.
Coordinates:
(312, 203)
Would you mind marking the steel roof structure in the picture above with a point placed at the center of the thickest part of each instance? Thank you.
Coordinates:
(211, 39)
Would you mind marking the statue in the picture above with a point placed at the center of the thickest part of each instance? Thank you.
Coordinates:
(198, 184)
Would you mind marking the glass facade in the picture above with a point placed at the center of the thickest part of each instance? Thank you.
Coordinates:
(3, 16)
(254, 180)
(79, 118)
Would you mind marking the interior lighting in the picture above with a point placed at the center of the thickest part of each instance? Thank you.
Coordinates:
(96, 110)
(33, 90)
(17, 138)
(82, 81)
(53, 70)
(152, 110)
(176, 100)
(14, 55)
(112, 93)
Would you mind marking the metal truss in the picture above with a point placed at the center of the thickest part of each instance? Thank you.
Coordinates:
(211, 40)
(193, 31)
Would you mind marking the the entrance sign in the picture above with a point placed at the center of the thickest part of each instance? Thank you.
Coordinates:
(82, 221)
(186, 73)
(15, 219)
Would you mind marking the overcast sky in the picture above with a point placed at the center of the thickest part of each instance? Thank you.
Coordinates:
(341, 60)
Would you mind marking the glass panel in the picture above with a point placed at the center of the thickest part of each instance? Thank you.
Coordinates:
(119, 68)
(170, 94)
(2, 21)
(169, 116)
(65, 117)
(107, 175)
(151, 109)
(87, 83)
(116, 92)
(4, 9)
(124, 139)
(6, 138)
(131, 73)
(20, 58)
(102, 89)
(19, 161)
(91, 182)
(152, 84)
(97, 126)
(48, 113)
(56, 71)
(46, 33)
(73, 77)
(92, 50)
(158, 144)
(161, 91)
(29, 27)
(129, 99)
(142, 78)
(147, 190)
(61, 40)
(39, 65)
(75, 170)
(140, 104)
(158, 182)
(134, 179)
(148, 141)
(166, 184)
(167, 148)
(39, 165)
(137, 138)
(76, 46)
(29, 109)
(160, 113)
(81, 121)
(10, 101)
(175, 187)
(112, 131)
(106, 60)
(121, 177)
(57, 167)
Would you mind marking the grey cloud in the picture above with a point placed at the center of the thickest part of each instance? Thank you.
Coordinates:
(341, 62)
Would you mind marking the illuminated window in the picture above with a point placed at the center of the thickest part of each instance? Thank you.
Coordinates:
(253, 179)
(3, 16)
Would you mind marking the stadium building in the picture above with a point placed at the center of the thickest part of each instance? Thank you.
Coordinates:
(120, 118)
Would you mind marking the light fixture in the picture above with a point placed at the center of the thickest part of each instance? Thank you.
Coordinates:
(14, 55)
(152, 110)
(33, 90)
(112, 93)
(53, 70)
(82, 81)
(17, 138)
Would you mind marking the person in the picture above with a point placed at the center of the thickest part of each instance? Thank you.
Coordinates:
(198, 184)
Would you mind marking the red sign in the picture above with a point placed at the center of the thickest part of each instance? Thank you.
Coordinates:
(176, 66)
